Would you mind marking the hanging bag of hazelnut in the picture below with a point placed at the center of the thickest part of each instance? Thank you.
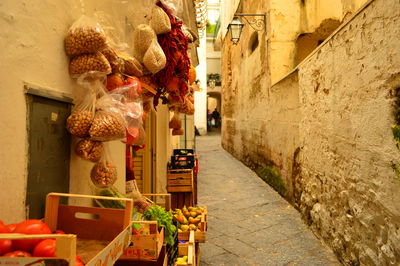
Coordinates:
(89, 149)
(84, 63)
(85, 36)
(109, 123)
(81, 118)
(104, 172)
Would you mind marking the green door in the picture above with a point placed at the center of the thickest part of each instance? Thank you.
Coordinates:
(49, 151)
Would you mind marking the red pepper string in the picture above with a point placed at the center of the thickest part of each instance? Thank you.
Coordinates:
(173, 43)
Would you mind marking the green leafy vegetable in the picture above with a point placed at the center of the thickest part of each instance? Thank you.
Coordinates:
(164, 219)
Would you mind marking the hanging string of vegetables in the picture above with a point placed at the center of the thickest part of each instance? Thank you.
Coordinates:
(173, 79)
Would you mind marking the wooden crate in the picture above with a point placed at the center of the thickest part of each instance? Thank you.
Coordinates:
(161, 261)
(180, 180)
(98, 235)
(188, 249)
(199, 236)
(65, 249)
(197, 251)
(145, 246)
(180, 199)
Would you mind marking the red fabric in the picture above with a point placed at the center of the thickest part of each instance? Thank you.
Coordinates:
(130, 175)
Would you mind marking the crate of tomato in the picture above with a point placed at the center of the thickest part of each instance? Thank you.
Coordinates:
(97, 235)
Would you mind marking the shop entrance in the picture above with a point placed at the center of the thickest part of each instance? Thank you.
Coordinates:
(49, 148)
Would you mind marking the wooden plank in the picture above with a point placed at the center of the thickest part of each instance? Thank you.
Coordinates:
(138, 174)
(179, 182)
(199, 236)
(138, 168)
(51, 211)
(104, 218)
(64, 217)
(47, 93)
(188, 199)
(161, 261)
(179, 188)
(188, 249)
(197, 247)
(145, 247)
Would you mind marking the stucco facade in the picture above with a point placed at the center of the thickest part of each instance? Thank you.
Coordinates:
(322, 134)
(32, 40)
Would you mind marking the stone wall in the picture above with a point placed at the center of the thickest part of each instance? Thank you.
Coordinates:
(348, 190)
(322, 136)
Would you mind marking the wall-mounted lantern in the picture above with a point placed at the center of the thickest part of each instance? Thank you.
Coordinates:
(258, 23)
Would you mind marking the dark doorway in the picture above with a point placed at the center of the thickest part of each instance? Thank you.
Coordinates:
(48, 152)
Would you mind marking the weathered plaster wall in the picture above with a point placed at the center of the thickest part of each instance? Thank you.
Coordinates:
(348, 191)
(250, 106)
(32, 40)
(200, 97)
(322, 135)
(287, 19)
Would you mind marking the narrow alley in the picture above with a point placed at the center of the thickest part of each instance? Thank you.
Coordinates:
(249, 223)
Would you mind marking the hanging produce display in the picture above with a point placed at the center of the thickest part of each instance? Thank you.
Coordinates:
(116, 88)
(173, 79)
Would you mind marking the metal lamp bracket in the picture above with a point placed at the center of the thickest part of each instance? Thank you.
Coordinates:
(257, 21)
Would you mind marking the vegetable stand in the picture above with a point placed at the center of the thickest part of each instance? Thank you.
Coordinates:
(101, 236)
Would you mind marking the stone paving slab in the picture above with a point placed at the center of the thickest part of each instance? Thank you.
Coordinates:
(250, 223)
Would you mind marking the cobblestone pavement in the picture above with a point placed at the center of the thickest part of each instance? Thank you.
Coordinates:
(249, 223)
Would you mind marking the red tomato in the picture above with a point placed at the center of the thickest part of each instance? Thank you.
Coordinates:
(46, 248)
(59, 232)
(11, 227)
(3, 228)
(78, 261)
(5, 246)
(17, 253)
(30, 227)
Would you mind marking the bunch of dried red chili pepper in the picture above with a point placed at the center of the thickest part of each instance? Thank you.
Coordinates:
(173, 79)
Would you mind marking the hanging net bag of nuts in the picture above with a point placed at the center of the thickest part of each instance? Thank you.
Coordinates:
(104, 172)
(89, 149)
(85, 36)
(81, 64)
(109, 123)
(80, 121)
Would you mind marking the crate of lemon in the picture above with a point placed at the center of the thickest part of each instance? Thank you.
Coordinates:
(191, 219)
(187, 254)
